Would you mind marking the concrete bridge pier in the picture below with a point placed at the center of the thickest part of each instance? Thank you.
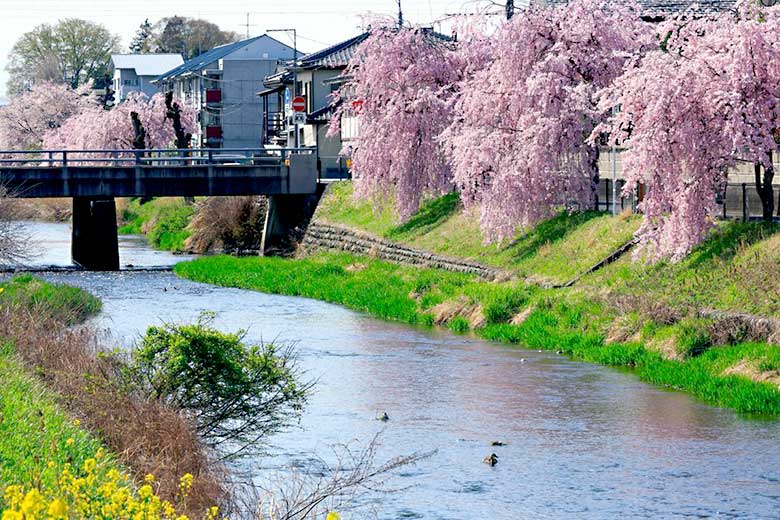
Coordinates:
(94, 243)
(286, 217)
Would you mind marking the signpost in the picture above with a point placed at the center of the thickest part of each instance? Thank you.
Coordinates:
(299, 104)
(299, 118)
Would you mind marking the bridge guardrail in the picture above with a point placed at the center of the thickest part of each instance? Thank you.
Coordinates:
(149, 157)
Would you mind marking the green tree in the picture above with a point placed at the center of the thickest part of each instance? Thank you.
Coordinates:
(141, 42)
(237, 394)
(72, 51)
(189, 36)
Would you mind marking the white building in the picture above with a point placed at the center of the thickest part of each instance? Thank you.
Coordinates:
(222, 84)
(135, 72)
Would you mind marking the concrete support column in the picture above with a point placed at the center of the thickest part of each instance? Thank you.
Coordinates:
(285, 220)
(94, 242)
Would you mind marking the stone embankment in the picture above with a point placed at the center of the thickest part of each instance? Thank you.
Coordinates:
(322, 236)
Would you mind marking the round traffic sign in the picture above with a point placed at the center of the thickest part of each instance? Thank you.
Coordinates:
(299, 104)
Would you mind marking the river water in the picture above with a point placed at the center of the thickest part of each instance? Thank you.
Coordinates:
(583, 441)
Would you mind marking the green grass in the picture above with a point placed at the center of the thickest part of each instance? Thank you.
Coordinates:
(555, 251)
(737, 269)
(163, 221)
(37, 439)
(566, 320)
(69, 304)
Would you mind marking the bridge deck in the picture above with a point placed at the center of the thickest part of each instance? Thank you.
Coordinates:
(123, 173)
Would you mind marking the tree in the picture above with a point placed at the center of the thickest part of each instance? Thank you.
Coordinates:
(29, 116)
(96, 128)
(692, 109)
(236, 394)
(401, 83)
(189, 36)
(521, 123)
(141, 43)
(72, 51)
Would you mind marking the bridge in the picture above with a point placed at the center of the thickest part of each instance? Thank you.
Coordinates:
(93, 178)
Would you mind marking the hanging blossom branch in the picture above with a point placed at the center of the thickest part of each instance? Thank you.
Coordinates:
(401, 80)
(522, 153)
(689, 110)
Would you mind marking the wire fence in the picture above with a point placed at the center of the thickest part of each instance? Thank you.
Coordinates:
(740, 200)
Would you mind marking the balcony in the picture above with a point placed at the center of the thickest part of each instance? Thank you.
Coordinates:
(213, 96)
(213, 132)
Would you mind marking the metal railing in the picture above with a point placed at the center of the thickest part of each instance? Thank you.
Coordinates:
(148, 157)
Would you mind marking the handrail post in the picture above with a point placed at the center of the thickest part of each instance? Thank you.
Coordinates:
(211, 156)
(51, 159)
(64, 159)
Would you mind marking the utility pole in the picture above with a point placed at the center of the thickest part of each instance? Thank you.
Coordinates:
(400, 15)
(295, 73)
(510, 9)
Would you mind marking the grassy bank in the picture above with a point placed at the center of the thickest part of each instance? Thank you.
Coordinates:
(38, 440)
(555, 251)
(737, 269)
(163, 221)
(569, 321)
(57, 394)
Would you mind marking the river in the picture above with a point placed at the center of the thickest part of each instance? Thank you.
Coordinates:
(583, 441)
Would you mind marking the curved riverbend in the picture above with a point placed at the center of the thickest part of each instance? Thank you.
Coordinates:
(583, 441)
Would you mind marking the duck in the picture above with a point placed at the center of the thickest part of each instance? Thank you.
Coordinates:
(383, 417)
(491, 460)
(498, 443)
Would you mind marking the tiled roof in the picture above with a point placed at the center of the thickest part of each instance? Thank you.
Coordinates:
(147, 64)
(335, 56)
(660, 7)
(200, 61)
(338, 55)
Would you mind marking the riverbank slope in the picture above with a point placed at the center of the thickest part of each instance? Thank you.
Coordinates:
(693, 326)
(72, 444)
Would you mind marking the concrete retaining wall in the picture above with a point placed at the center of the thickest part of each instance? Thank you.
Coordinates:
(321, 236)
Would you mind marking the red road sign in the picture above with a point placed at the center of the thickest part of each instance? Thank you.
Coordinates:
(299, 104)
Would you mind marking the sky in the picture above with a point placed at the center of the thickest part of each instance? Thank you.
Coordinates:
(319, 23)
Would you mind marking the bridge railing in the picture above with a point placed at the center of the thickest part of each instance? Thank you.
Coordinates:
(148, 157)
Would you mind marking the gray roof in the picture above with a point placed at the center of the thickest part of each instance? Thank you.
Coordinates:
(662, 7)
(200, 61)
(333, 57)
(147, 64)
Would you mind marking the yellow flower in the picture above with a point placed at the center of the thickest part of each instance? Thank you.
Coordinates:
(333, 516)
(145, 491)
(32, 504)
(90, 465)
(50, 464)
(58, 509)
(100, 453)
(185, 483)
(70, 441)
(76, 422)
(212, 513)
(12, 515)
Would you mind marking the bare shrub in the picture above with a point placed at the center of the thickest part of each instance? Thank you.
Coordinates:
(230, 224)
(146, 434)
(326, 486)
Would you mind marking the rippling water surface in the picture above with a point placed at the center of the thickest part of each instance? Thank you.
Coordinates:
(583, 441)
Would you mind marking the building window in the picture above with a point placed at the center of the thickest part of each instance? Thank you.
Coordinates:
(130, 82)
